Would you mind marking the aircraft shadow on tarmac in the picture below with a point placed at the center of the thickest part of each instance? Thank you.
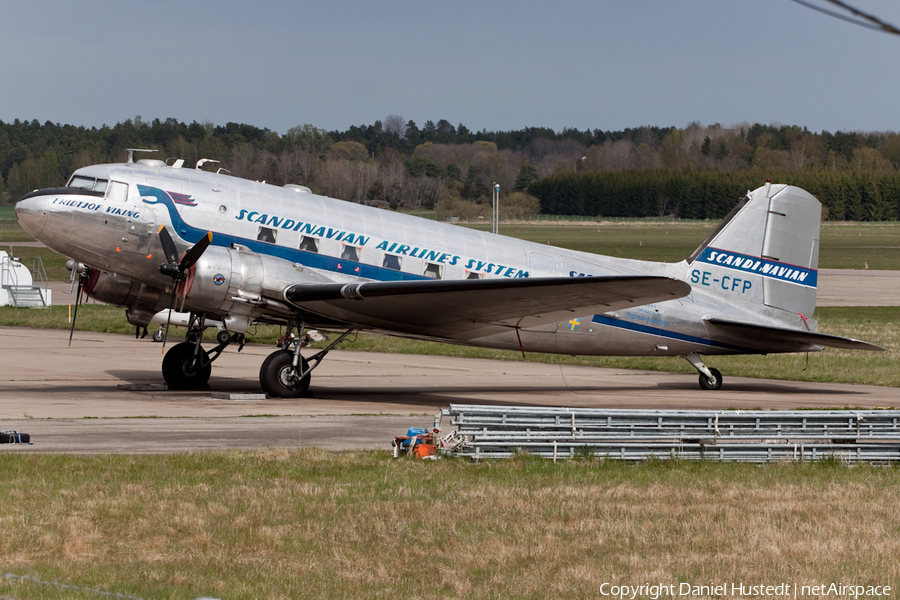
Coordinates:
(764, 387)
(451, 393)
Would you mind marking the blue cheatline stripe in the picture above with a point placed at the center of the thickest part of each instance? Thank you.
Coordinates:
(760, 266)
(681, 337)
(308, 259)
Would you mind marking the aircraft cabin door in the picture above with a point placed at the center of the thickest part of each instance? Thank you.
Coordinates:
(139, 223)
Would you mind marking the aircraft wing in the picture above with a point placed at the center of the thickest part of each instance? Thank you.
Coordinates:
(778, 336)
(471, 308)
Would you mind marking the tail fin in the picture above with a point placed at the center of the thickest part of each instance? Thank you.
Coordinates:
(766, 250)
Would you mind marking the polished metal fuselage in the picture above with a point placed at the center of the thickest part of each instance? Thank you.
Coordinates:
(259, 230)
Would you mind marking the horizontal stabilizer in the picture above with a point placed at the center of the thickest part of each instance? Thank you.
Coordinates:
(465, 309)
(779, 337)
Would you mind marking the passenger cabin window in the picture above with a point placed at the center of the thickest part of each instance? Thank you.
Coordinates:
(432, 270)
(117, 192)
(474, 275)
(391, 261)
(87, 183)
(350, 253)
(310, 244)
(266, 234)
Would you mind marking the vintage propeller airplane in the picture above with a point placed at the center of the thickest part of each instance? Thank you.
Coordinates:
(237, 252)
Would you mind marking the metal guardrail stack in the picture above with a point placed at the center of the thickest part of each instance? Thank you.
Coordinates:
(731, 435)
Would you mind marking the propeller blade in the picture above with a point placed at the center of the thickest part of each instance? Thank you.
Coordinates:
(77, 302)
(168, 320)
(90, 282)
(168, 244)
(170, 267)
(194, 254)
(169, 247)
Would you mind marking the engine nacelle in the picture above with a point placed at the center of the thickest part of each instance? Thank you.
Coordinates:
(234, 285)
(142, 301)
(242, 285)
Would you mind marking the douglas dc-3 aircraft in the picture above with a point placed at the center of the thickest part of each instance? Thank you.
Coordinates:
(241, 252)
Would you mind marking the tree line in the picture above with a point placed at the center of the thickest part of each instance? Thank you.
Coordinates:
(695, 172)
(710, 194)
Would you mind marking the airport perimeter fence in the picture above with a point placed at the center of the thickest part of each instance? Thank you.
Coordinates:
(634, 435)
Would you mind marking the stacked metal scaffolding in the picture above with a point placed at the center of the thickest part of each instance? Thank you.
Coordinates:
(731, 435)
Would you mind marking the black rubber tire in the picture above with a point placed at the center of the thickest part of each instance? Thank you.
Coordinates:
(715, 384)
(177, 370)
(157, 335)
(274, 376)
(223, 336)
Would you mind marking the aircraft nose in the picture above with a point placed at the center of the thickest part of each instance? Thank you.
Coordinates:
(31, 213)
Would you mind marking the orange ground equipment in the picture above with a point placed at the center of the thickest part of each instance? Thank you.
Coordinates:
(417, 441)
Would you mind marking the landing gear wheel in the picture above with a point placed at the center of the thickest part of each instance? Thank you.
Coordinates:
(277, 376)
(711, 384)
(223, 336)
(158, 335)
(179, 370)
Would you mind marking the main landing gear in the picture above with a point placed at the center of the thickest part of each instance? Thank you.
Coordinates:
(285, 373)
(187, 366)
(710, 379)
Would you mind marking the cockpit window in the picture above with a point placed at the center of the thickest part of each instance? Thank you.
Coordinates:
(82, 183)
(87, 183)
(117, 192)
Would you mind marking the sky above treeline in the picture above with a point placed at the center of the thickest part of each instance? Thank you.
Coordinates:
(500, 66)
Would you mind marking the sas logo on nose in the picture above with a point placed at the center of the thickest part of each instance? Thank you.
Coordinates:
(152, 195)
(184, 199)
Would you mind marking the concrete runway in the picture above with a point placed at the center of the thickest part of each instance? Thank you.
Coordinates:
(858, 287)
(69, 399)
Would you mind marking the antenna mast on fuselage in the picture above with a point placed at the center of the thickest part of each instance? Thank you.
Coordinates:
(131, 152)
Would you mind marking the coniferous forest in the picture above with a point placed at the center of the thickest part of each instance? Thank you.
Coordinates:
(698, 172)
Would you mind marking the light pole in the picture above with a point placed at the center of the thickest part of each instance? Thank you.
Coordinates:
(495, 209)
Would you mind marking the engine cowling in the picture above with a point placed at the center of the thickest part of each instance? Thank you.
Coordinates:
(141, 301)
(234, 285)
(243, 286)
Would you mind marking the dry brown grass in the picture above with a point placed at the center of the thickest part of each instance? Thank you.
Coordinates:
(306, 524)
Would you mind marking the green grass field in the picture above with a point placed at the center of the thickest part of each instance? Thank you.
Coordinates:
(843, 245)
(284, 524)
